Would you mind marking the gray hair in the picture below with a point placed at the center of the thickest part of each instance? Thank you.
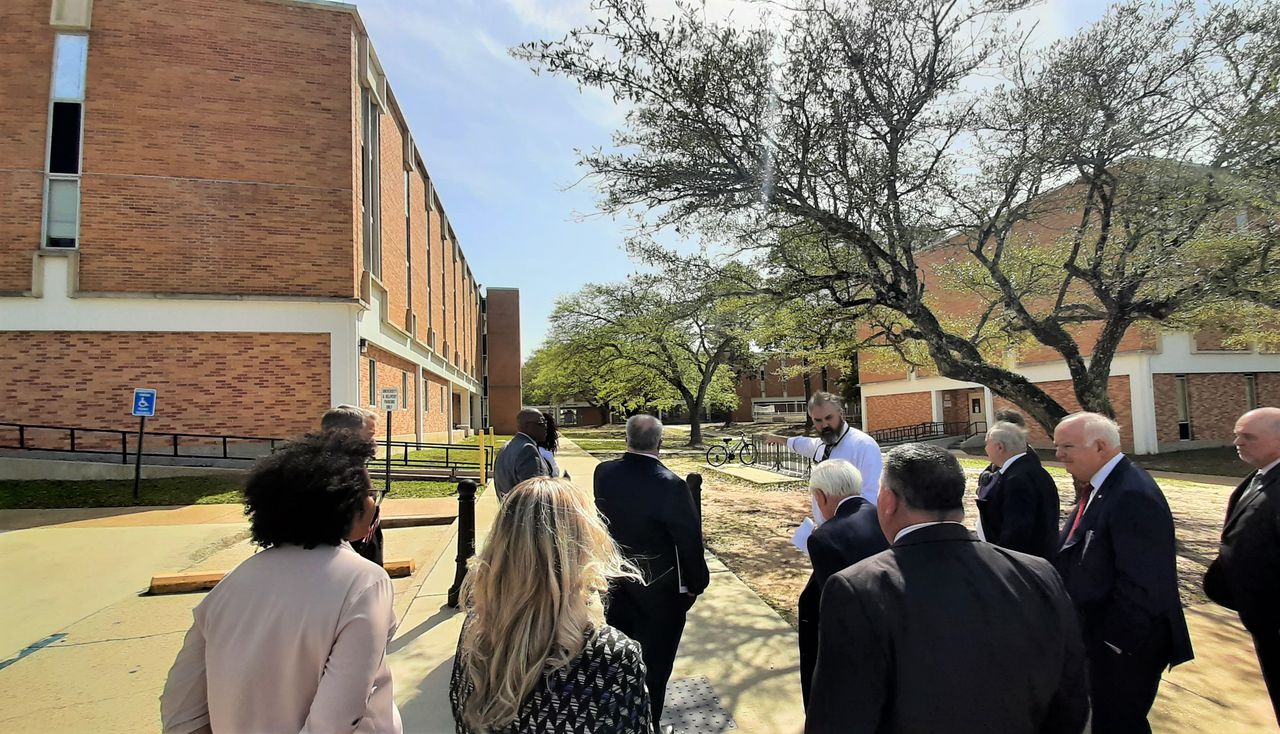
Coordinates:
(348, 417)
(825, 398)
(836, 478)
(1097, 427)
(644, 432)
(1009, 435)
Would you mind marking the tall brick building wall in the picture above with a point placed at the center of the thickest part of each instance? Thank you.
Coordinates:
(893, 411)
(219, 248)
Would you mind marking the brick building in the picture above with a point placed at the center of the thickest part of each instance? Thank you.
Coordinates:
(776, 392)
(221, 199)
(1170, 391)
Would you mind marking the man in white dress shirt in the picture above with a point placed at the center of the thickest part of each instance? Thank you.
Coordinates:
(837, 440)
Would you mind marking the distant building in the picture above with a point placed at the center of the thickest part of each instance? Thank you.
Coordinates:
(221, 199)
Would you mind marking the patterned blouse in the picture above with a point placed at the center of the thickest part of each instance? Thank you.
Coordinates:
(601, 690)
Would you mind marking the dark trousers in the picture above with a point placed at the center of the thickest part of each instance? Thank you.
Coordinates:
(655, 619)
(1266, 641)
(1123, 688)
(371, 548)
(808, 634)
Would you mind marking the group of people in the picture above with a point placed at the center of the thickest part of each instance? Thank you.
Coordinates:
(576, 604)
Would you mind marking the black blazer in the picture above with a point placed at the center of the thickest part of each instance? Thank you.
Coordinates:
(943, 633)
(651, 516)
(1246, 575)
(852, 535)
(1121, 569)
(1019, 508)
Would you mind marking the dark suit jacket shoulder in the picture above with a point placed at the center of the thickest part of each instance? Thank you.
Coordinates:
(652, 517)
(1020, 512)
(1121, 568)
(1244, 576)
(517, 461)
(988, 635)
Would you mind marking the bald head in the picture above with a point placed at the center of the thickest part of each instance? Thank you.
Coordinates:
(530, 422)
(1258, 437)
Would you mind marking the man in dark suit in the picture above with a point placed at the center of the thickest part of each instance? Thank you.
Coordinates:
(943, 633)
(1246, 575)
(520, 459)
(1118, 561)
(652, 518)
(847, 532)
(1018, 506)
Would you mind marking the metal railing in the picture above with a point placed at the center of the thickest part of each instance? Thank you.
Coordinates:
(124, 443)
(929, 430)
(450, 457)
(780, 459)
(445, 458)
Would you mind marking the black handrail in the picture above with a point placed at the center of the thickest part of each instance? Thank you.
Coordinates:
(75, 439)
(927, 430)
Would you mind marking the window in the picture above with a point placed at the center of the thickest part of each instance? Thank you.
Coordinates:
(66, 118)
(1183, 400)
(404, 390)
(373, 382)
(370, 200)
(975, 405)
(1250, 392)
(408, 249)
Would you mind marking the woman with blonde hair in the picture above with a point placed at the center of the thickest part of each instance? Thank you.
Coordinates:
(535, 655)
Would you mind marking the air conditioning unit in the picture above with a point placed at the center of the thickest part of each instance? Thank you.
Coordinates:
(73, 14)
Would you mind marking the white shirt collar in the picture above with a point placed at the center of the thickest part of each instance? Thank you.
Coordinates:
(1267, 469)
(912, 528)
(1104, 472)
(846, 499)
(1010, 460)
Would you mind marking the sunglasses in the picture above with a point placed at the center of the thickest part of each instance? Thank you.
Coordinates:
(378, 496)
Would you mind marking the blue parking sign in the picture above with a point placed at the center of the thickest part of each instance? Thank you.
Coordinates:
(144, 402)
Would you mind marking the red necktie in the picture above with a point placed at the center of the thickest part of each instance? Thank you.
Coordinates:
(1084, 502)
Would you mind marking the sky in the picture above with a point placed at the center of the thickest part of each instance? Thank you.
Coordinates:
(499, 141)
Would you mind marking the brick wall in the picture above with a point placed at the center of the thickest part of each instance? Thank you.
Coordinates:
(394, 273)
(389, 371)
(892, 411)
(1216, 402)
(1060, 390)
(26, 53)
(417, 232)
(219, 383)
(504, 358)
(209, 149)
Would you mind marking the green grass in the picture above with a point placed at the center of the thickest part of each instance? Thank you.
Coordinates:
(613, 432)
(601, 444)
(419, 490)
(452, 454)
(48, 494)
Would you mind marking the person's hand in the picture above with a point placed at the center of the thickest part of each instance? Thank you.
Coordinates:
(775, 440)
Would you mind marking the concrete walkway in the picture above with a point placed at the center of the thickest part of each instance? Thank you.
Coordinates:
(747, 652)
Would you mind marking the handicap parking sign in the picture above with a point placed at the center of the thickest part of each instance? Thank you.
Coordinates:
(144, 402)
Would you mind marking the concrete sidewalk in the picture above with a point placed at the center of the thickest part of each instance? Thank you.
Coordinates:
(742, 647)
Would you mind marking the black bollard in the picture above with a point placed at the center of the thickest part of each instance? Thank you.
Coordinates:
(466, 536)
(694, 481)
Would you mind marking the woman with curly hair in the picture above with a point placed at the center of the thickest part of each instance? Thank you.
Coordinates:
(295, 638)
(535, 656)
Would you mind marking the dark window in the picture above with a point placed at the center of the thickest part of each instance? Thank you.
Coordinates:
(64, 143)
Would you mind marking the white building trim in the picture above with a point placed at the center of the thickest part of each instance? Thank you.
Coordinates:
(1177, 355)
(378, 331)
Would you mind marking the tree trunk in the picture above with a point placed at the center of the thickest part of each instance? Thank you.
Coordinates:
(808, 393)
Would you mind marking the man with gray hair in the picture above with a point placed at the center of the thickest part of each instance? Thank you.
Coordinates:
(1018, 506)
(1118, 560)
(836, 440)
(652, 518)
(849, 534)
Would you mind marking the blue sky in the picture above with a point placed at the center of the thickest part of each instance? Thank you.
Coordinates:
(499, 142)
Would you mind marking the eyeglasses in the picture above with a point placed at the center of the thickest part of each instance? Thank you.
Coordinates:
(378, 495)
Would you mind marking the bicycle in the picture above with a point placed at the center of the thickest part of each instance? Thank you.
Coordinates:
(742, 450)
